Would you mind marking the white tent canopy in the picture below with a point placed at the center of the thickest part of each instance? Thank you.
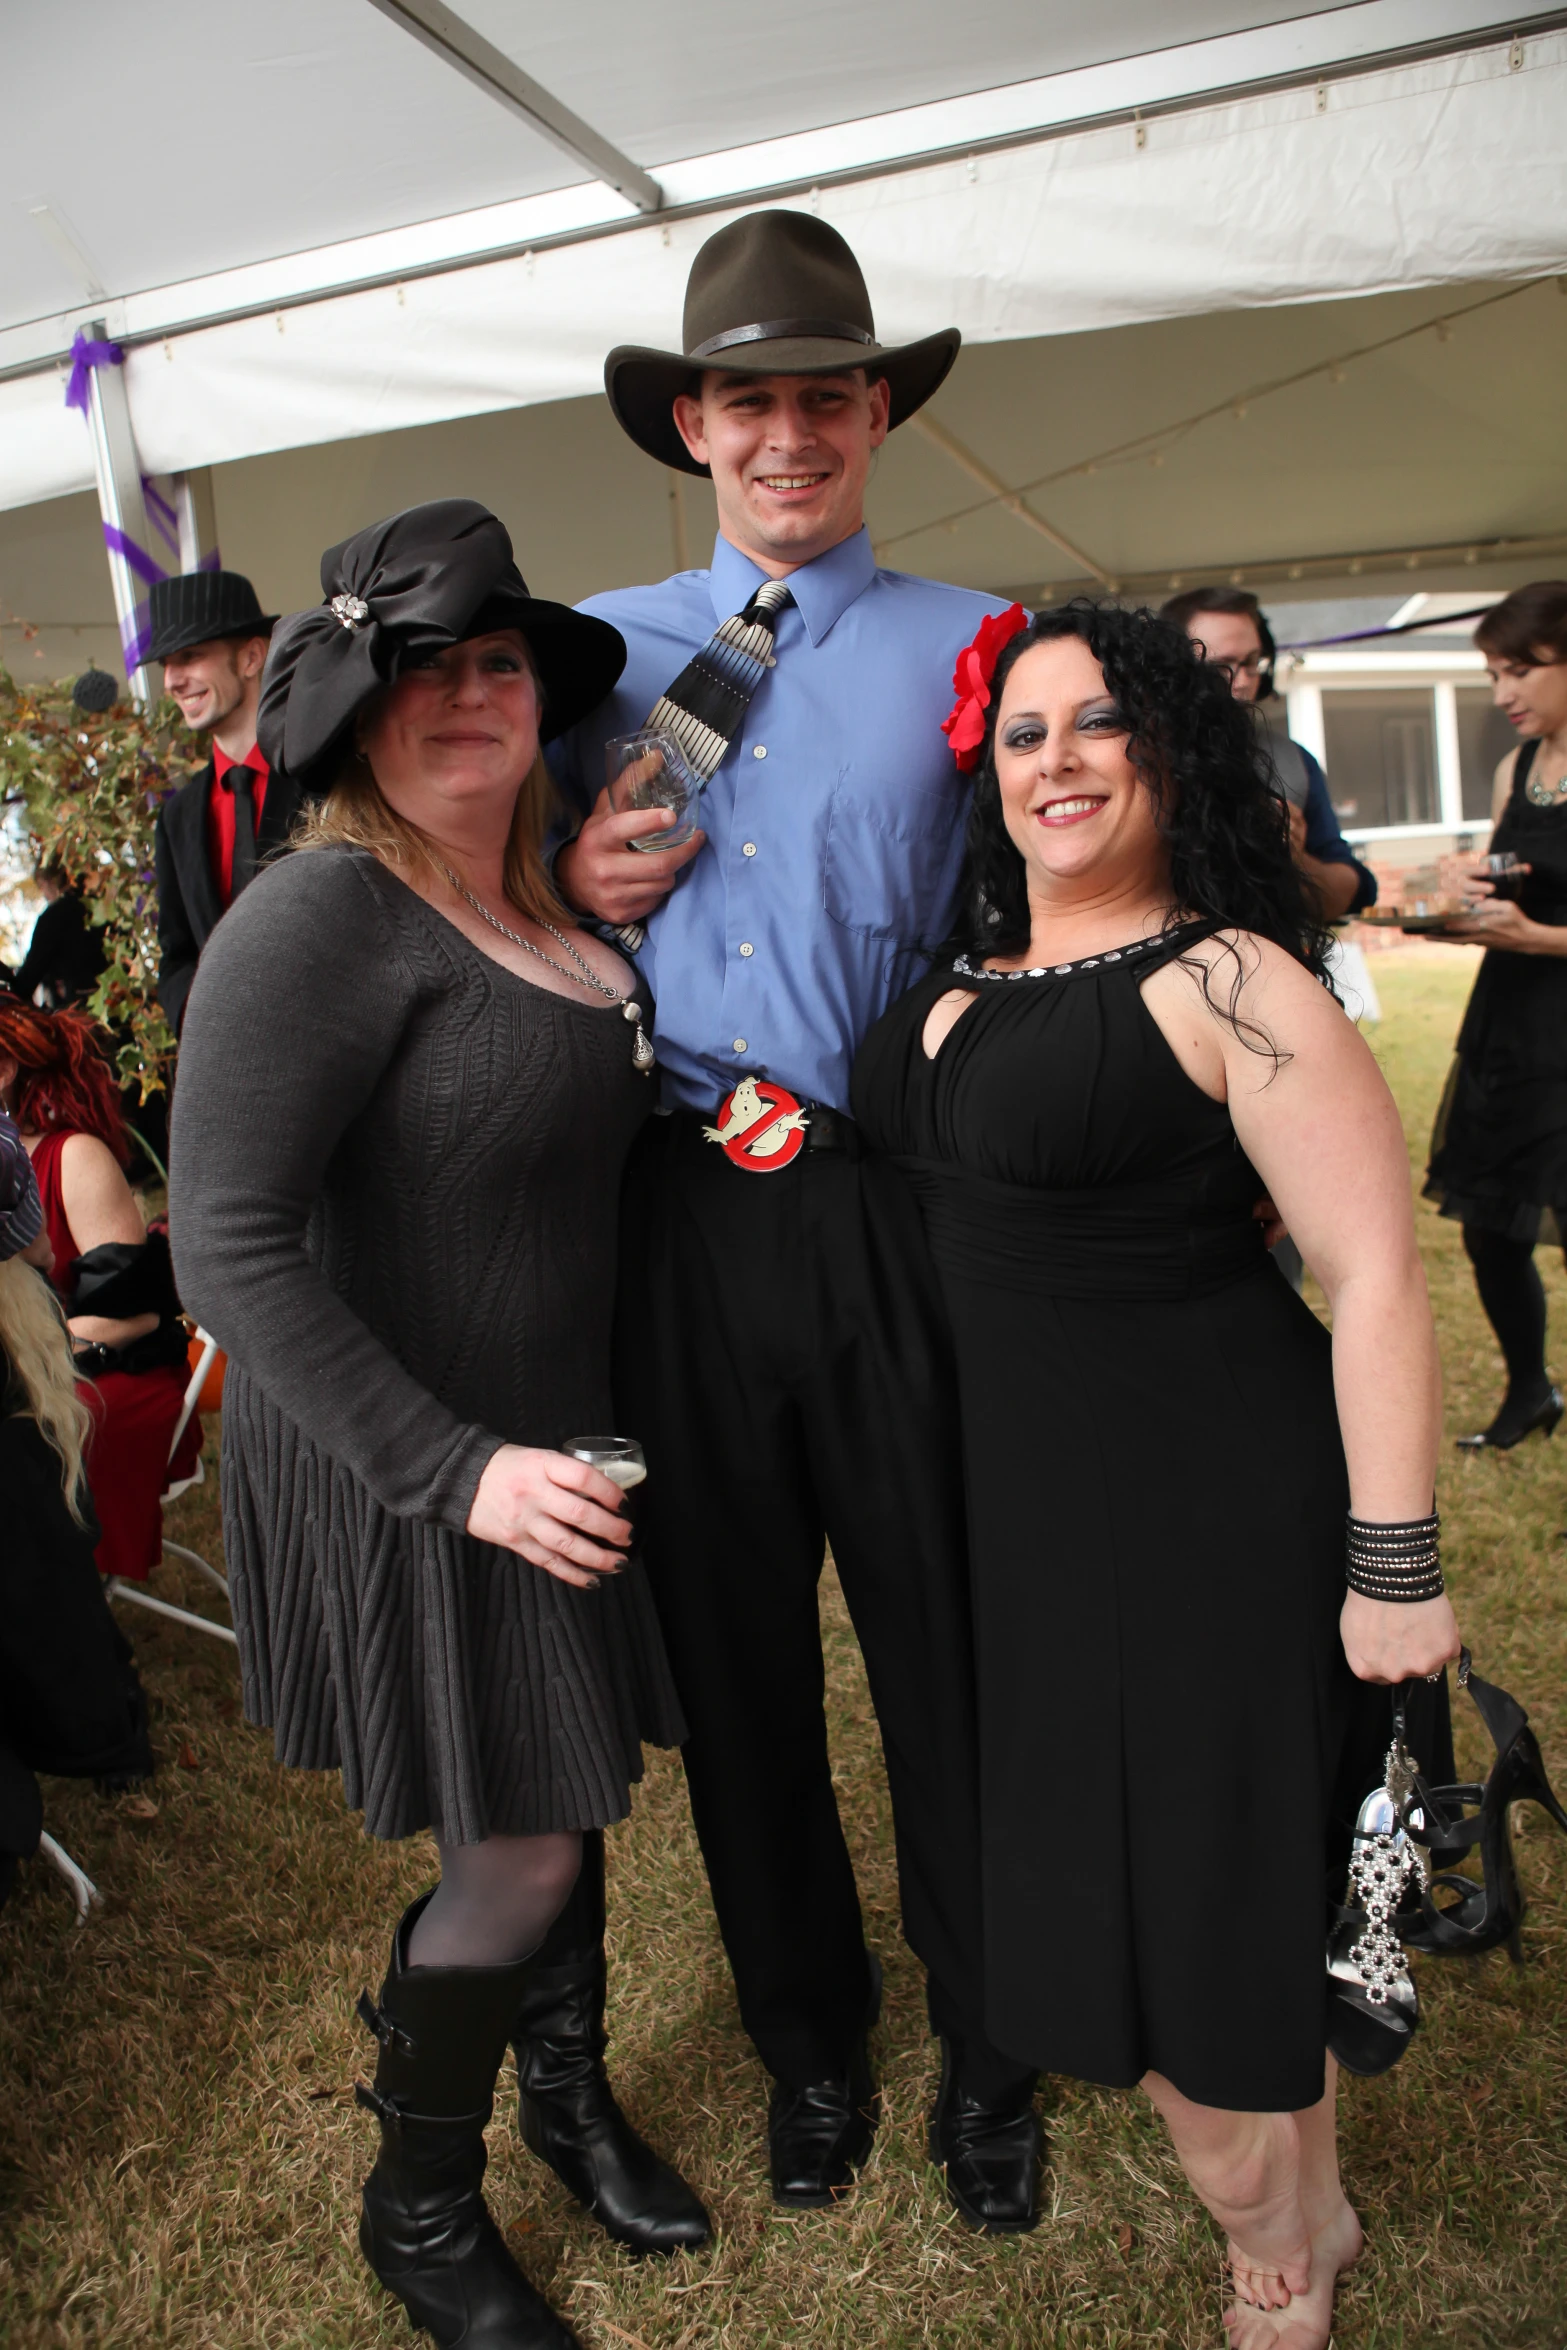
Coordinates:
(318, 146)
(316, 231)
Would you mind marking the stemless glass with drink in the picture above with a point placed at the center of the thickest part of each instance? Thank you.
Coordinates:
(619, 1458)
(650, 770)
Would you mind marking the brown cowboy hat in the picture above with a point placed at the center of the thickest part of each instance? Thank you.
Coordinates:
(774, 293)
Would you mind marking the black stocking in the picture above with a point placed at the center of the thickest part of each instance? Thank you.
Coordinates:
(1514, 1301)
(496, 1901)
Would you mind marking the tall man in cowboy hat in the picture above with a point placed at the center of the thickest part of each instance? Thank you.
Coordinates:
(210, 633)
(776, 1364)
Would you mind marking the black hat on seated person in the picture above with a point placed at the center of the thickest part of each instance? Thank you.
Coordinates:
(423, 580)
(774, 293)
(198, 607)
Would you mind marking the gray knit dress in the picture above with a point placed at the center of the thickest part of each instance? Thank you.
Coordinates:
(393, 1190)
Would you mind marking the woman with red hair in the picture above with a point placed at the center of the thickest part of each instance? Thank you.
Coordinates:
(112, 1276)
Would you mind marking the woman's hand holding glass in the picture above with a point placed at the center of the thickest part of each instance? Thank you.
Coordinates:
(1489, 888)
(557, 1513)
(1397, 1640)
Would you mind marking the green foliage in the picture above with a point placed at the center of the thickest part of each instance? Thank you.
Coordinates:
(91, 787)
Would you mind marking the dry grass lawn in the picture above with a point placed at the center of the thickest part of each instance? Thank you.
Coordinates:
(180, 2152)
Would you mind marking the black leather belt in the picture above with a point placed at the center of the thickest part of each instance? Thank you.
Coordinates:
(830, 1130)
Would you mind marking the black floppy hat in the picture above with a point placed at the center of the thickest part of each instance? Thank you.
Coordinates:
(395, 593)
(196, 607)
(774, 293)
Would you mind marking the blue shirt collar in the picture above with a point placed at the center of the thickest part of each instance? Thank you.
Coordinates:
(822, 590)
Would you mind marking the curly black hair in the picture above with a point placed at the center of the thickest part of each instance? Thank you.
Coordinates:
(1202, 758)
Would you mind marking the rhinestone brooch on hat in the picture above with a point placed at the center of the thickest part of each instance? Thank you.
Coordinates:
(353, 611)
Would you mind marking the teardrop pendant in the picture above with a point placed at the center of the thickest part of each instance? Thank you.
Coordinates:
(642, 1053)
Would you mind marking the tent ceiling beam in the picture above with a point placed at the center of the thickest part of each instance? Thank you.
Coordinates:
(457, 44)
(977, 470)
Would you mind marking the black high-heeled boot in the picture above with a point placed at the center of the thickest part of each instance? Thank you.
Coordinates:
(1480, 1916)
(566, 2109)
(1515, 1421)
(424, 2227)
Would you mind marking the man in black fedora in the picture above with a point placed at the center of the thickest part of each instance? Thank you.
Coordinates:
(210, 633)
(775, 1358)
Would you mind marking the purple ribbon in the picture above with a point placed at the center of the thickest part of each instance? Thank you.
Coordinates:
(135, 637)
(85, 356)
(118, 543)
(161, 515)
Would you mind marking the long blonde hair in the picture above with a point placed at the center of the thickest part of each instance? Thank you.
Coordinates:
(355, 815)
(37, 1346)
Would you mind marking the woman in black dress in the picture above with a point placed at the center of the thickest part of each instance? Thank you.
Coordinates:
(1499, 1153)
(407, 1087)
(1132, 1044)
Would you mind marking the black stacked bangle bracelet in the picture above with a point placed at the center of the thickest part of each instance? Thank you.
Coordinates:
(1399, 1561)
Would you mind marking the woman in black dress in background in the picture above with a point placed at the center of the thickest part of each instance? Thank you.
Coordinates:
(1499, 1153)
(1133, 1044)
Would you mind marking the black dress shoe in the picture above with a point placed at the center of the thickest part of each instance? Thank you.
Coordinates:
(990, 2150)
(1516, 1421)
(818, 2136)
(568, 2114)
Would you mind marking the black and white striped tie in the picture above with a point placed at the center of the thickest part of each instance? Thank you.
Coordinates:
(705, 707)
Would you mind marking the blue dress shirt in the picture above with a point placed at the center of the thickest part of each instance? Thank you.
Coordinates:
(834, 825)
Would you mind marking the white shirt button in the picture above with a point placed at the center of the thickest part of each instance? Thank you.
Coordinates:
(746, 947)
(748, 849)
(760, 751)
(739, 1044)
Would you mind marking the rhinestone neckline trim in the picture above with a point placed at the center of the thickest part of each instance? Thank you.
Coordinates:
(1139, 946)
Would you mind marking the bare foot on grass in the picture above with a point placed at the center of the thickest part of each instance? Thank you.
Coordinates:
(1306, 2323)
(1259, 2209)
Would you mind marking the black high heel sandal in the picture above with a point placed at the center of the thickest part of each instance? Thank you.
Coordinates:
(1373, 2006)
(1451, 1821)
(1511, 1427)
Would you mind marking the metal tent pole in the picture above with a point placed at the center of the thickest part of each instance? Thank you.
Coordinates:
(123, 508)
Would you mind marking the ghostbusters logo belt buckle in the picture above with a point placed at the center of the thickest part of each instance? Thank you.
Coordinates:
(760, 1127)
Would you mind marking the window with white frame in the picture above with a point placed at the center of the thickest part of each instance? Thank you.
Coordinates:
(1380, 745)
(1484, 737)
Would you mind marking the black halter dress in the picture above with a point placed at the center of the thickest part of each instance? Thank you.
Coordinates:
(1172, 1744)
(1499, 1149)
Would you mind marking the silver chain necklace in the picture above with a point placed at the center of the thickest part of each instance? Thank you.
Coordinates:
(642, 1054)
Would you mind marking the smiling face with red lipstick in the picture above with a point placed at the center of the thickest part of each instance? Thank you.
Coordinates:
(1075, 807)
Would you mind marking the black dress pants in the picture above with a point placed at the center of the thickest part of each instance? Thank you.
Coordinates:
(780, 1356)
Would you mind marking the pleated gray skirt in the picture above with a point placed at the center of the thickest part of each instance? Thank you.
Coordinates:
(455, 1686)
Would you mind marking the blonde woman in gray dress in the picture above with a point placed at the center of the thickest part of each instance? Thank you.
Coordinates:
(407, 1085)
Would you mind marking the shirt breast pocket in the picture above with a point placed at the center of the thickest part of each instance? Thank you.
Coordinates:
(891, 859)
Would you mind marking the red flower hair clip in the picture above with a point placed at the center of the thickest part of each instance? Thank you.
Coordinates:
(965, 729)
